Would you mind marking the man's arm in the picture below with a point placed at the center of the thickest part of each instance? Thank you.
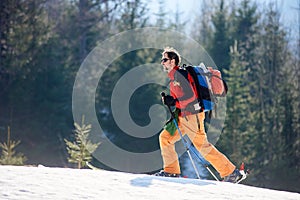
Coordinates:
(181, 76)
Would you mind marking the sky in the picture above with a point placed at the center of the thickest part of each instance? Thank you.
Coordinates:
(36, 183)
(289, 13)
(190, 9)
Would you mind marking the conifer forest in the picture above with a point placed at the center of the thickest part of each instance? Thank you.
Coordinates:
(44, 42)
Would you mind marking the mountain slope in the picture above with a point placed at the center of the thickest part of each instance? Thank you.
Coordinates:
(63, 183)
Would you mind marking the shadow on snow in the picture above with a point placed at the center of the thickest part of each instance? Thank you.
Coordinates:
(147, 181)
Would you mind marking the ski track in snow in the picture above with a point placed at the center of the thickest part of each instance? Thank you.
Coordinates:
(27, 183)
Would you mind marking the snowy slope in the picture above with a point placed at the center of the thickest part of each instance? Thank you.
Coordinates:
(26, 183)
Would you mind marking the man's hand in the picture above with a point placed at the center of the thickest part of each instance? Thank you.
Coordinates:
(168, 100)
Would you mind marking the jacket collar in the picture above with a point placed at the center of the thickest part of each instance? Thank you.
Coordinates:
(172, 72)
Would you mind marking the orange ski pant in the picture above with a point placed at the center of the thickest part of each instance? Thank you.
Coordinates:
(194, 128)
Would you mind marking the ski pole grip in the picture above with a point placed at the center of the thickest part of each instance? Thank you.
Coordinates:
(169, 108)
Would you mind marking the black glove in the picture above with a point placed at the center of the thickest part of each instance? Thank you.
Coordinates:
(168, 100)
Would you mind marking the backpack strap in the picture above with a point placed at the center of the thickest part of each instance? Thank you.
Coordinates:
(190, 70)
(181, 76)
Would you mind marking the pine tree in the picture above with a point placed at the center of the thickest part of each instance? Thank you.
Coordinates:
(296, 97)
(81, 149)
(202, 29)
(244, 31)
(133, 15)
(161, 15)
(177, 24)
(237, 132)
(9, 155)
(22, 32)
(271, 92)
(240, 120)
(220, 45)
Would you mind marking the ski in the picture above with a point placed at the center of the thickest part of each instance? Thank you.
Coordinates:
(92, 166)
(242, 171)
(243, 177)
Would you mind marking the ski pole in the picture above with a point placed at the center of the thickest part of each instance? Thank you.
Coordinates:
(187, 148)
(208, 169)
(182, 139)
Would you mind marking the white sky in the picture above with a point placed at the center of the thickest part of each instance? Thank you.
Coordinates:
(191, 8)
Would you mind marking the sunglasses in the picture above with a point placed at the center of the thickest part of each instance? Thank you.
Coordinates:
(164, 60)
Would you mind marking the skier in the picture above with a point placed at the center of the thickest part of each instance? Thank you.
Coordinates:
(190, 123)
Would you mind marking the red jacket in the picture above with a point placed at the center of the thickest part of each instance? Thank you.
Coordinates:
(180, 87)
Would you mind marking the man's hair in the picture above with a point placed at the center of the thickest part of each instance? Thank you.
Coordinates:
(172, 54)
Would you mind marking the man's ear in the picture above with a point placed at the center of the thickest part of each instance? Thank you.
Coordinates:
(173, 62)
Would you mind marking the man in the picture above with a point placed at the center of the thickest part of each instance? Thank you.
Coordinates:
(191, 123)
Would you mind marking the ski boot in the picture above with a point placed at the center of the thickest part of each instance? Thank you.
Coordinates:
(166, 174)
(237, 175)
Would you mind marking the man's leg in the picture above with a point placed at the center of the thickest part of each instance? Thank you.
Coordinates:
(169, 155)
(196, 132)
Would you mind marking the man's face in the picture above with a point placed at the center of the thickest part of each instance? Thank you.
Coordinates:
(167, 63)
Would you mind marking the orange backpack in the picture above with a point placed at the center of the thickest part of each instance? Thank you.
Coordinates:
(218, 85)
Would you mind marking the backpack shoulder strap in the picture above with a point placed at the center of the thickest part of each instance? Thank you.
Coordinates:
(191, 71)
(180, 73)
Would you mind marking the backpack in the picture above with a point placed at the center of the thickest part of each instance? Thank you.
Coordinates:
(207, 84)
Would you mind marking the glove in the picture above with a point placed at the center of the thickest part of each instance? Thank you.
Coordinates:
(168, 100)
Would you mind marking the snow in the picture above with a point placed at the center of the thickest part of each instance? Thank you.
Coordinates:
(26, 183)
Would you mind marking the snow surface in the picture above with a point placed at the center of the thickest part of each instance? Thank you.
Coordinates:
(26, 183)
